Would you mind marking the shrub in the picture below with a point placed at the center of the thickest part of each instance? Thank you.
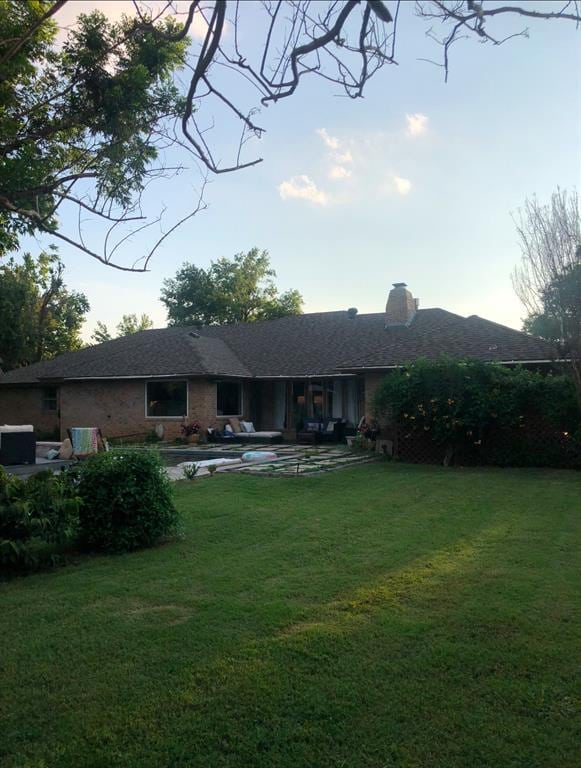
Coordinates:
(126, 501)
(190, 471)
(42, 510)
(465, 406)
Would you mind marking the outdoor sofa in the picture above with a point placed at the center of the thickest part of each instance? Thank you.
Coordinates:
(243, 432)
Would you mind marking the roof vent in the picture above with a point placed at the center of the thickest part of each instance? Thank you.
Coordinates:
(194, 335)
(352, 312)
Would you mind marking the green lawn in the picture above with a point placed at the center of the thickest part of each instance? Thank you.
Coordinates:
(385, 615)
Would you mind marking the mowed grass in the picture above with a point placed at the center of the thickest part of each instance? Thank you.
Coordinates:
(381, 616)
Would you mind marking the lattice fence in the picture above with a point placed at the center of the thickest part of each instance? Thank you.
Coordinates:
(536, 444)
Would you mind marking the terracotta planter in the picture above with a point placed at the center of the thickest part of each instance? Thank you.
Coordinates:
(193, 439)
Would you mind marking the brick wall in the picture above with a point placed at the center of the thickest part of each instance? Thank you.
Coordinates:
(372, 381)
(23, 405)
(117, 407)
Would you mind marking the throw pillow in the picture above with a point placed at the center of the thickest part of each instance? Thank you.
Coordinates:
(66, 449)
(236, 424)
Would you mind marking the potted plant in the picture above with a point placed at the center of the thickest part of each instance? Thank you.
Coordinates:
(191, 431)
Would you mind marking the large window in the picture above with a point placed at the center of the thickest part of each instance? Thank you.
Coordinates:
(229, 398)
(166, 398)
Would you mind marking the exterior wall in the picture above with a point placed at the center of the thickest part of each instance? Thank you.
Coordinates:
(118, 407)
(372, 381)
(23, 405)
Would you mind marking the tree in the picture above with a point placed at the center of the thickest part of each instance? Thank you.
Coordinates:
(39, 316)
(237, 290)
(548, 279)
(79, 124)
(129, 324)
(84, 124)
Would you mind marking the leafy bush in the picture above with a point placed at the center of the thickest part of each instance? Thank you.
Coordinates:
(461, 404)
(127, 500)
(41, 510)
(190, 471)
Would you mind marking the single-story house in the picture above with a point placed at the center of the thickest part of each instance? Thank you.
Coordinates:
(272, 372)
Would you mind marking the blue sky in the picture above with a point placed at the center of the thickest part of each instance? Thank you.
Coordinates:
(430, 174)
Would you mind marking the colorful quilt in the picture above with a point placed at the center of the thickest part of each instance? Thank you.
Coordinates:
(84, 440)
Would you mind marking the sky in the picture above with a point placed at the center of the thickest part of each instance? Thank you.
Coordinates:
(416, 182)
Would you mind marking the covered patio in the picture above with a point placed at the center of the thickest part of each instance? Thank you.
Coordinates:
(285, 404)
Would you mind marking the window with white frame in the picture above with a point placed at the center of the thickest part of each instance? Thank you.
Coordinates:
(166, 399)
(228, 398)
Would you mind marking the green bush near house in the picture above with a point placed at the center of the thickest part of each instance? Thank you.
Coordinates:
(485, 412)
(126, 501)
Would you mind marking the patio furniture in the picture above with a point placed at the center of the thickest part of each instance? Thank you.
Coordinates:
(316, 431)
(252, 436)
(85, 441)
(17, 444)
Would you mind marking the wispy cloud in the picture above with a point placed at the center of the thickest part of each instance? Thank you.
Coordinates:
(417, 124)
(339, 172)
(344, 158)
(330, 141)
(302, 188)
(402, 186)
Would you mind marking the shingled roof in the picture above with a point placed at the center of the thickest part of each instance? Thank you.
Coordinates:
(318, 344)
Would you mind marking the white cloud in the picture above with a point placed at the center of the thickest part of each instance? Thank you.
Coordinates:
(417, 124)
(301, 187)
(339, 172)
(346, 157)
(402, 186)
(330, 141)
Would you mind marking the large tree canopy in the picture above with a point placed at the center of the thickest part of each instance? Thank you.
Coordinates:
(86, 124)
(548, 279)
(125, 327)
(39, 316)
(234, 290)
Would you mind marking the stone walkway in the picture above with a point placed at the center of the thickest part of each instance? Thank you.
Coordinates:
(292, 460)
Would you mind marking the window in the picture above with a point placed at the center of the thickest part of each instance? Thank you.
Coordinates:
(49, 399)
(166, 398)
(229, 398)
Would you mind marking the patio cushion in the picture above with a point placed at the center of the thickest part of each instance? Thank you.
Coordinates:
(6, 428)
(250, 435)
(236, 424)
(247, 426)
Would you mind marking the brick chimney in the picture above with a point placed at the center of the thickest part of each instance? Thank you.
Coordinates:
(401, 306)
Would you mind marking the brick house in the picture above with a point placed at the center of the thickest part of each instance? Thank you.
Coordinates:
(272, 372)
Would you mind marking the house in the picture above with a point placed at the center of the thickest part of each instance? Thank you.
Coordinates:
(272, 372)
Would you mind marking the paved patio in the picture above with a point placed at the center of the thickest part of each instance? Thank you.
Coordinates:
(292, 460)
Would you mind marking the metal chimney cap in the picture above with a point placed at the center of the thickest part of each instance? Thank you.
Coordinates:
(400, 285)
